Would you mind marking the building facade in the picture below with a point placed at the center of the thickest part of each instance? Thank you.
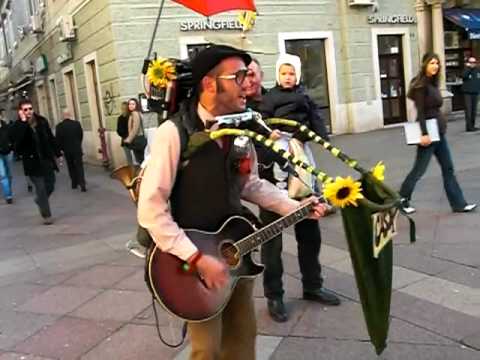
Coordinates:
(358, 56)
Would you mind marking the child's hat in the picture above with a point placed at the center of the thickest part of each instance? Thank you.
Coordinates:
(289, 59)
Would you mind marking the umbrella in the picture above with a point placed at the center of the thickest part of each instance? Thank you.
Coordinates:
(212, 7)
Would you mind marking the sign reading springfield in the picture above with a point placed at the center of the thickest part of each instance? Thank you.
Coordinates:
(391, 19)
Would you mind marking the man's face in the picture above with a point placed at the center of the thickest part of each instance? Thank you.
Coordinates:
(27, 109)
(472, 62)
(230, 94)
(253, 83)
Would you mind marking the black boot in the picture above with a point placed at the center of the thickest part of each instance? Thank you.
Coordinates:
(277, 311)
(322, 296)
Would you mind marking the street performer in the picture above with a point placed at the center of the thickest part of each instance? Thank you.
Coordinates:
(206, 190)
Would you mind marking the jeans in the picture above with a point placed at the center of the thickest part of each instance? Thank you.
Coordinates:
(6, 175)
(442, 152)
(128, 155)
(470, 110)
(308, 237)
(44, 186)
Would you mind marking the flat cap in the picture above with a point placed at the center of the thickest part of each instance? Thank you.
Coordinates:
(211, 56)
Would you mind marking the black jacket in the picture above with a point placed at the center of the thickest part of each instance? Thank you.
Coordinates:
(471, 81)
(6, 144)
(69, 135)
(428, 101)
(122, 127)
(37, 148)
(293, 104)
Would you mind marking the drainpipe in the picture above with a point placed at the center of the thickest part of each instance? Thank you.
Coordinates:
(8, 57)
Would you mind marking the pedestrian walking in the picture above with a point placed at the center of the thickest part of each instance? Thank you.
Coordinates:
(35, 143)
(6, 147)
(122, 131)
(287, 100)
(69, 136)
(428, 100)
(471, 88)
(136, 139)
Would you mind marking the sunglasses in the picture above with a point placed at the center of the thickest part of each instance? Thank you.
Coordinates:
(27, 109)
(239, 76)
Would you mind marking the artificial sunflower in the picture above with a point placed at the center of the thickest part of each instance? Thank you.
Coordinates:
(378, 171)
(161, 72)
(343, 192)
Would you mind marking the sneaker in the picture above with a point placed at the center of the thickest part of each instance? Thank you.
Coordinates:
(135, 248)
(10, 201)
(407, 209)
(467, 208)
(48, 221)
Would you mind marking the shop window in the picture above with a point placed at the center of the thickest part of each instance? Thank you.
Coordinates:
(388, 45)
(314, 72)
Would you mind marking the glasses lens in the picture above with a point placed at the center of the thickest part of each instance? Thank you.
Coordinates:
(240, 76)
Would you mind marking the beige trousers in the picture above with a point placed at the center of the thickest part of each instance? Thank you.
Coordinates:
(231, 334)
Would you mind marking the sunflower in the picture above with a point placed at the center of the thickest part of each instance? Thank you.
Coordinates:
(343, 192)
(378, 171)
(161, 72)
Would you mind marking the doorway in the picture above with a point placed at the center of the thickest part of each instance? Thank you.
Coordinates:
(314, 72)
(392, 79)
(42, 100)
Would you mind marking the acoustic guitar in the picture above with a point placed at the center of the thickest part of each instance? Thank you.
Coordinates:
(184, 294)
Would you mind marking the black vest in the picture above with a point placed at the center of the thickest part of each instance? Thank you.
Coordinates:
(207, 187)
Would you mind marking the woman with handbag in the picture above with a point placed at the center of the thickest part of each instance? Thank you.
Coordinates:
(136, 140)
(428, 100)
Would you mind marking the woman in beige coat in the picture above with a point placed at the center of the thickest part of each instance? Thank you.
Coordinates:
(135, 128)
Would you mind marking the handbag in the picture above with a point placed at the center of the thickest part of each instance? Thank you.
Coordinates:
(139, 142)
(301, 186)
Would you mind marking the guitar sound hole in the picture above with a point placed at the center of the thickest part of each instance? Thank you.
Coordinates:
(230, 254)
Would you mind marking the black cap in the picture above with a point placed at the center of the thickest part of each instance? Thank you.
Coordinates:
(210, 57)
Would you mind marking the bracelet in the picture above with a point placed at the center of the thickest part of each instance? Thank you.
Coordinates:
(190, 266)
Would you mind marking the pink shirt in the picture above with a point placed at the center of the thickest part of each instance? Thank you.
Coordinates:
(159, 178)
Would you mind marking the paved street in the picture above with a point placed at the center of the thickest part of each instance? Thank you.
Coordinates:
(70, 290)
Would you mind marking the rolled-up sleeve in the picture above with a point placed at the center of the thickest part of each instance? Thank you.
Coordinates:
(157, 183)
(265, 194)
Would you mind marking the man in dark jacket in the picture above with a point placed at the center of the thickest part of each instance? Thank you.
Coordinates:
(471, 88)
(34, 142)
(69, 136)
(307, 232)
(5, 161)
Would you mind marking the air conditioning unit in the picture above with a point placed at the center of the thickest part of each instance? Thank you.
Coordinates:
(362, 2)
(36, 24)
(67, 29)
(452, 40)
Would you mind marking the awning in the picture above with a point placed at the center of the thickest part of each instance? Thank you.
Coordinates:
(469, 19)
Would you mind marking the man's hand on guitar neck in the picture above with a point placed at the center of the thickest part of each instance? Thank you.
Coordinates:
(213, 271)
(319, 208)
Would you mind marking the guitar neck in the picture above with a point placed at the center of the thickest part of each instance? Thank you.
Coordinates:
(266, 233)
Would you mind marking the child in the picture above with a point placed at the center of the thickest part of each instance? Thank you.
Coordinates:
(288, 100)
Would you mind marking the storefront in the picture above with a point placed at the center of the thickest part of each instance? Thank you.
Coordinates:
(462, 35)
(356, 63)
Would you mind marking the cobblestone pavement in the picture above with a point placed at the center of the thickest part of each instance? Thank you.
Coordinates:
(70, 290)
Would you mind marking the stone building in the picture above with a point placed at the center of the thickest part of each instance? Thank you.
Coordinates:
(358, 55)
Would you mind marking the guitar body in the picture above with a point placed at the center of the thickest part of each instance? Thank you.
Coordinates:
(184, 294)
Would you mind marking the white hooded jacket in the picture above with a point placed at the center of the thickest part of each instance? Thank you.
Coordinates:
(289, 59)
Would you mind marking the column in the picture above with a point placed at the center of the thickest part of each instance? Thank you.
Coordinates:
(438, 38)
(422, 27)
